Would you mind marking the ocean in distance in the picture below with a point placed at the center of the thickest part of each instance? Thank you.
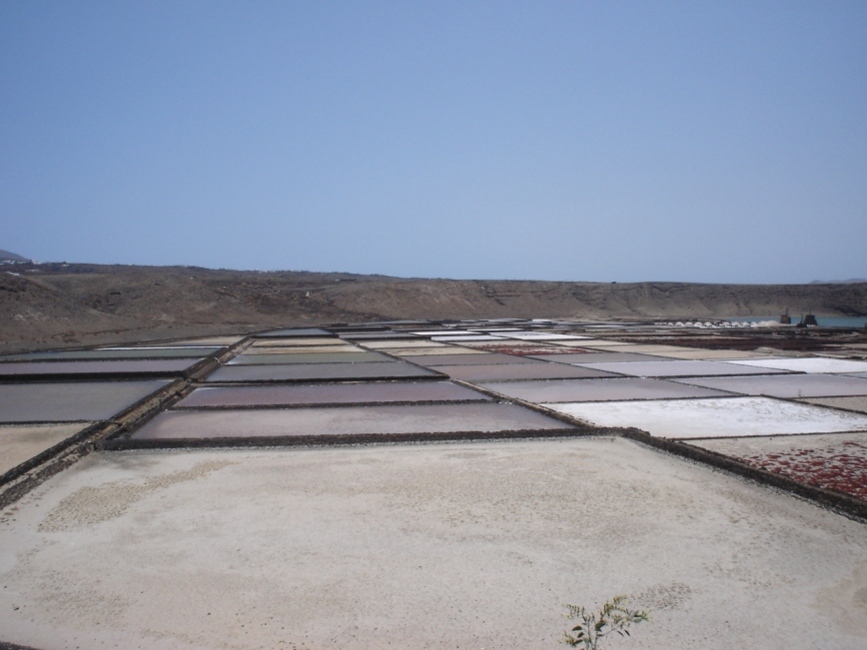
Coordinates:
(823, 321)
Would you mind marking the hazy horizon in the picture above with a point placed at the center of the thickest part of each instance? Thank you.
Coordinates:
(407, 277)
(559, 141)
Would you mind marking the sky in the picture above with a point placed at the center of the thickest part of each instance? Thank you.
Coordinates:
(543, 140)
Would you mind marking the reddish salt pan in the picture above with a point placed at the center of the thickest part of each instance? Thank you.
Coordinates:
(840, 467)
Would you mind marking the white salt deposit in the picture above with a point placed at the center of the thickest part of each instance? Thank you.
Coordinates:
(715, 417)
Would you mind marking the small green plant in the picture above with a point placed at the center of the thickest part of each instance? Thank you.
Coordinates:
(593, 627)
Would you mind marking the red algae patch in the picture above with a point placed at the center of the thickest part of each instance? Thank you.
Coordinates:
(842, 468)
(833, 462)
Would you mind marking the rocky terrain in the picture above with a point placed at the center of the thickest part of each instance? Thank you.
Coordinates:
(61, 305)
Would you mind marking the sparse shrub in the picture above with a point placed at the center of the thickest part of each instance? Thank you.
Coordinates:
(593, 627)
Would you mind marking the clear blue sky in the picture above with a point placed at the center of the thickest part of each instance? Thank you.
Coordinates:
(691, 141)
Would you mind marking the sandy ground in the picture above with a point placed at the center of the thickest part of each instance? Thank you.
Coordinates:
(21, 442)
(421, 546)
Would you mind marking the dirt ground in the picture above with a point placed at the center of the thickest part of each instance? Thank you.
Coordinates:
(63, 305)
(472, 545)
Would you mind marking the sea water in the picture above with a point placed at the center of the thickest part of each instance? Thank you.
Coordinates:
(823, 321)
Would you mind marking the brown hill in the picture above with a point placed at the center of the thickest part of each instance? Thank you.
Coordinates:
(58, 305)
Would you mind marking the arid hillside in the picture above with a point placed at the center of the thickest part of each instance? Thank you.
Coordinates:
(59, 305)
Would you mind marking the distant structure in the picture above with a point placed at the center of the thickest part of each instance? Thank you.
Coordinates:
(810, 320)
(785, 319)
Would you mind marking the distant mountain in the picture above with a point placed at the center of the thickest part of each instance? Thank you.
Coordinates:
(56, 304)
(6, 256)
(852, 281)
